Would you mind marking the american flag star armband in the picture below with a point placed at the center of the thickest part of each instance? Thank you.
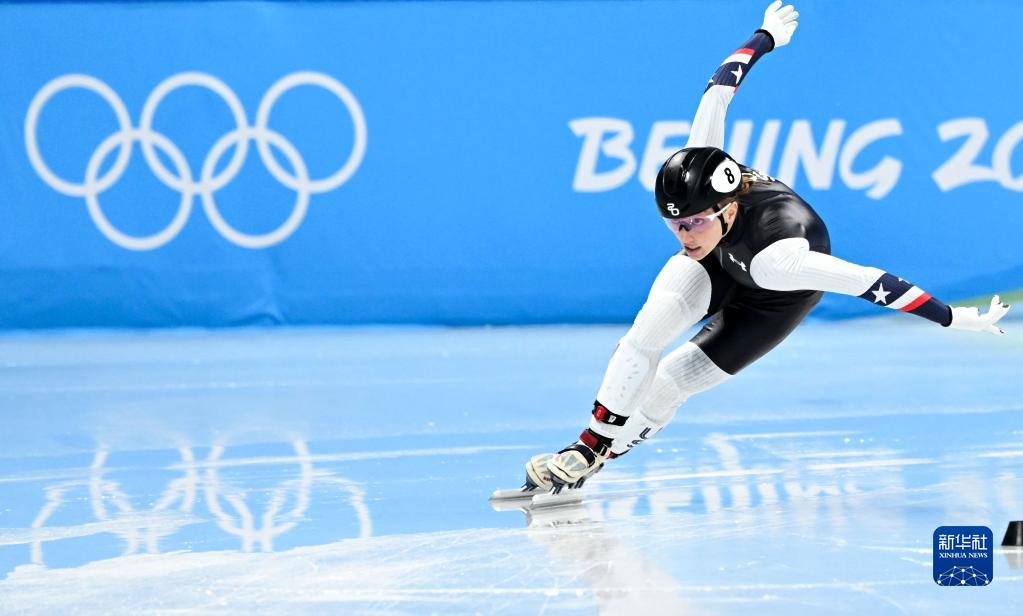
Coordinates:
(895, 293)
(733, 70)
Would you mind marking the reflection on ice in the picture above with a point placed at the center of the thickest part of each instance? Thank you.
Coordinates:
(139, 528)
(135, 528)
(275, 521)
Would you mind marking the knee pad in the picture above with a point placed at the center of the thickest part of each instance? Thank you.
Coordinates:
(663, 319)
(629, 372)
(678, 298)
(685, 277)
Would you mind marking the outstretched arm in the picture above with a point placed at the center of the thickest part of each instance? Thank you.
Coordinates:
(790, 265)
(708, 127)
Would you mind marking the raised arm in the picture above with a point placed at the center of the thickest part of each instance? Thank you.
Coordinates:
(790, 265)
(708, 128)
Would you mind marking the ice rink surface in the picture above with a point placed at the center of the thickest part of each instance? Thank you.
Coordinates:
(348, 470)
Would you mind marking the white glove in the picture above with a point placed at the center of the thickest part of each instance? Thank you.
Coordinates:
(780, 22)
(969, 317)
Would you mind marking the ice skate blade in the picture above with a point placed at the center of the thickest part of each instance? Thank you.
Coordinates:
(512, 494)
(566, 497)
(518, 499)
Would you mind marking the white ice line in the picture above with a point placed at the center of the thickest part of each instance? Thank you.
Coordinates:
(733, 473)
(1001, 454)
(838, 454)
(578, 591)
(888, 548)
(871, 464)
(216, 385)
(929, 551)
(75, 473)
(346, 457)
(742, 437)
(123, 524)
(770, 471)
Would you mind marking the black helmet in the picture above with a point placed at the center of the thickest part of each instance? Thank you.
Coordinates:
(695, 179)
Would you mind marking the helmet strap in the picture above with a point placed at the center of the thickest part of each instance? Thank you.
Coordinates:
(717, 207)
(724, 225)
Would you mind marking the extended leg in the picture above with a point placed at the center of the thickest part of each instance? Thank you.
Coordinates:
(685, 371)
(680, 297)
(744, 330)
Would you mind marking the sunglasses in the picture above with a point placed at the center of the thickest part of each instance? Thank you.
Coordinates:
(693, 224)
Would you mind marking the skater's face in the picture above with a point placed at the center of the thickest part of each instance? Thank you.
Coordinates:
(699, 234)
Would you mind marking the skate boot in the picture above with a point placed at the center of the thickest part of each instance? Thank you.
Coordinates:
(573, 465)
(538, 481)
(537, 476)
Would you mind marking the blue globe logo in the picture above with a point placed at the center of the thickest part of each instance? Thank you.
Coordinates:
(963, 576)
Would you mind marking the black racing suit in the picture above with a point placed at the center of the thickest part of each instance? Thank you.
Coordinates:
(749, 320)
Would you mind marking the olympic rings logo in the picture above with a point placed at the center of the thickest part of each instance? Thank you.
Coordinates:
(182, 178)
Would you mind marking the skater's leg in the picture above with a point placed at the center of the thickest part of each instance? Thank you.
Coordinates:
(679, 297)
(683, 293)
(745, 329)
(685, 371)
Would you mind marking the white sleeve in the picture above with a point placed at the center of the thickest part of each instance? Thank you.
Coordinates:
(709, 124)
(790, 265)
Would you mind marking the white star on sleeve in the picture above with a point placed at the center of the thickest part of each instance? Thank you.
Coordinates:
(880, 295)
(738, 74)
